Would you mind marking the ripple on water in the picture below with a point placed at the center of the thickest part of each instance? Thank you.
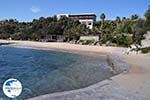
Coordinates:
(42, 72)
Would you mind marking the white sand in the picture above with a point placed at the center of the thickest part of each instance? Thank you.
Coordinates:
(61, 46)
(134, 85)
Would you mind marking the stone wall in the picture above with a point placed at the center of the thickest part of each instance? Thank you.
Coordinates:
(95, 38)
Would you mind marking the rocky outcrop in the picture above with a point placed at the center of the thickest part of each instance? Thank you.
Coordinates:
(117, 66)
(146, 41)
(105, 90)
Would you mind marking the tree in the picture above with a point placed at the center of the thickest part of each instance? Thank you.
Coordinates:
(118, 21)
(75, 32)
(134, 17)
(147, 22)
(147, 14)
(102, 17)
(124, 19)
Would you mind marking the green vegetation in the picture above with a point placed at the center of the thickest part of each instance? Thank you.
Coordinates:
(145, 50)
(122, 31)
(41, 28)
(86, 42)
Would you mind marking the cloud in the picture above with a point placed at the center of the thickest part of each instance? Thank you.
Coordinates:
(35, 9)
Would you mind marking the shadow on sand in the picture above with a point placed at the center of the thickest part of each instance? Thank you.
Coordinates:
(1, 44)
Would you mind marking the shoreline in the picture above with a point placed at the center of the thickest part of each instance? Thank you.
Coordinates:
(103, 85)
(62, 47)
(117, 87)
(86, 53)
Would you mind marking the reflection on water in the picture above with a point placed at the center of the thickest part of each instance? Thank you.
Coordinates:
(42, 72)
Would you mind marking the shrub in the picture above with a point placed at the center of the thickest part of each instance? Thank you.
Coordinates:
(145, 50)
(124, 40)
(86, 42)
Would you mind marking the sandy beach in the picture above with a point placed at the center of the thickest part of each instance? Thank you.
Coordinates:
(65, 47)
(132, 85)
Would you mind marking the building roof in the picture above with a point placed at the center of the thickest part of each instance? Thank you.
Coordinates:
(80, 16)
(77, 15)
(83, 16)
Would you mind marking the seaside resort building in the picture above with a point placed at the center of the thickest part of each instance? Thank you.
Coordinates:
(87, 19)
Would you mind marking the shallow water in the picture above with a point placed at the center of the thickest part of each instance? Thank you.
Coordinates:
(42, 72)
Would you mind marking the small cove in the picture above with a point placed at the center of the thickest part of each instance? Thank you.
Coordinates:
(43, 72)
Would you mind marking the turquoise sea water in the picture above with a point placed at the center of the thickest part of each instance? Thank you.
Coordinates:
(42, 72)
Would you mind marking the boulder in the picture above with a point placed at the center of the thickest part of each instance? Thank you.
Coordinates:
(146, 41)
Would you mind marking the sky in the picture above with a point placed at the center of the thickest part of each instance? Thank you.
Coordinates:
(27, 10)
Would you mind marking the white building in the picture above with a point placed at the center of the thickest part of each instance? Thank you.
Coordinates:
(62, 15)
(87, 19)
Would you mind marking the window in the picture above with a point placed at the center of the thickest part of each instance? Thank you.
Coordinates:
(89, 23)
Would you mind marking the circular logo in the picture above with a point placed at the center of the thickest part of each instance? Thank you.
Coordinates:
(12, 88)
